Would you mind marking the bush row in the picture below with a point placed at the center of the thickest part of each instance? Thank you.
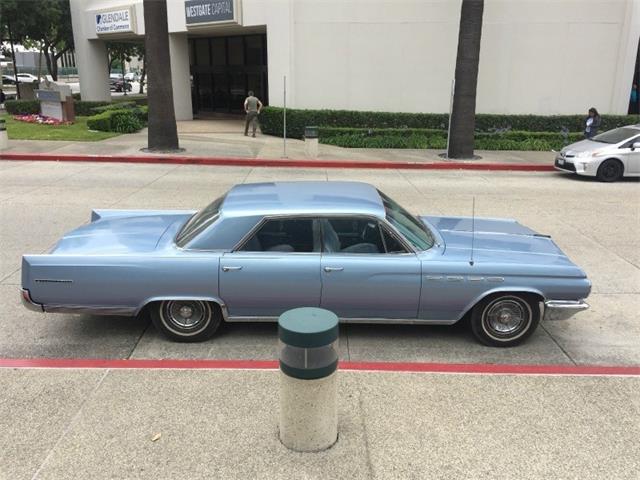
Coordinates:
(82, 108)
(123, 120)
(429, 138)
(271, 121)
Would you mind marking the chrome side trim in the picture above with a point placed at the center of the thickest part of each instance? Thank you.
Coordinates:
(400, 321)
(91, 310)
(25, 296)
(563, 309)
(52, 280)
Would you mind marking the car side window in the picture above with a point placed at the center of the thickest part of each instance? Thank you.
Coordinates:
(630, 143)
(391, 243)
(351, 235)
(282, 235)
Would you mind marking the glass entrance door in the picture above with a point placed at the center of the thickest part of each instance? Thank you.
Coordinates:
(225, 69)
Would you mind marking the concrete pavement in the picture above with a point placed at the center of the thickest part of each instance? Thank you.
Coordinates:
(100, 424)
(223, 138)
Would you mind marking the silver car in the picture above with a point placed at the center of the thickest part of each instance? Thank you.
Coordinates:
(608, 157)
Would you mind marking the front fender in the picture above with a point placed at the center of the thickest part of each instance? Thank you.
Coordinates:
(505, 289)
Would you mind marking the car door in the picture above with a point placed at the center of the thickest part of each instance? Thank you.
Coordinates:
(277, 268)
(366, 271)
(631, 156)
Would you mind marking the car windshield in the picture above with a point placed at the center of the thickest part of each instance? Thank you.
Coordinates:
(198, 222)
(412, 229)
(616, 135)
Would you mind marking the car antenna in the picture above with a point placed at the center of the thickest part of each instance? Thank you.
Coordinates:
(473, 228)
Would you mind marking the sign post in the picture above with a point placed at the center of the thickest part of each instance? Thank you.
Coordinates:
(284, 118)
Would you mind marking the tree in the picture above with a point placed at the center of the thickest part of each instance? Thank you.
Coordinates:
(119, 52)
(163, 132)
(50, 28)
(46, 25)
(140, 53)
(12, 25)
(463, 114)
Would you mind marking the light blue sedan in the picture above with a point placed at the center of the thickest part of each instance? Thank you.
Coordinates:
(264, 248)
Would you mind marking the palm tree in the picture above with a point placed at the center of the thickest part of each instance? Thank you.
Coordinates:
(163, 132)
(463, 114)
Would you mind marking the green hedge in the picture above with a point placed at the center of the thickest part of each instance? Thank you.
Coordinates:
(122, 120)
(85, 108)
(271, 121)
(430, 138)
(22, 107)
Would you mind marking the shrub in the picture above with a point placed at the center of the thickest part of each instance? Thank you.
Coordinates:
(113, 106)
(85, 108)
(22, 107)
(271, 121)
(437, 139)
(101, 121)
(124, 121)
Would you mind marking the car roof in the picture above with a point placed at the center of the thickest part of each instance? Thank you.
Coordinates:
(300, 198)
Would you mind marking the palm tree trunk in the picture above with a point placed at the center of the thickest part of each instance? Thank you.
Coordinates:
(163, 133)
(463, 114)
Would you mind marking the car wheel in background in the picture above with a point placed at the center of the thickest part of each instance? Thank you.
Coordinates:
(610, 171)
(186, 320)
(505, 319)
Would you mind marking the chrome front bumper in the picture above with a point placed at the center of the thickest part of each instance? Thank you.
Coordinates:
(27, 302)
(563, 309)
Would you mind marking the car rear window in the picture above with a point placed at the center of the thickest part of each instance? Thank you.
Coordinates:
(198, 222)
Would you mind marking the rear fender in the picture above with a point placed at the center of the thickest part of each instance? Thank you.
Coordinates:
(216, 300)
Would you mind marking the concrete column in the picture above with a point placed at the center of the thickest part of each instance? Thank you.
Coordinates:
(180, 77)
(91, 57)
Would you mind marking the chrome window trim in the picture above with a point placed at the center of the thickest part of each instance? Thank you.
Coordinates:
(265, 219)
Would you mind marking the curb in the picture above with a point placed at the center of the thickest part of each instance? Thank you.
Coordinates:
(266, 162)
(400, 367)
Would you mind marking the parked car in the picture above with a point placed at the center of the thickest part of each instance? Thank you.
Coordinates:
(27, 78)
(8, 80)
(131, 77)
(119, 85)
(608, 156)
(264, 248)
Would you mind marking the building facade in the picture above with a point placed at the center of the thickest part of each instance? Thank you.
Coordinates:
(537, 56)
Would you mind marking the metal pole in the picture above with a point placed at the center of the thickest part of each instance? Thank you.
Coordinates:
(284, 119)
(453, 87)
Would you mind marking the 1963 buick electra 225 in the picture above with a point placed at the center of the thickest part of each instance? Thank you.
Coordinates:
(264, 248)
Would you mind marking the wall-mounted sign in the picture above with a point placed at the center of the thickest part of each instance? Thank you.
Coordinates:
(115, 21)
(210, 12)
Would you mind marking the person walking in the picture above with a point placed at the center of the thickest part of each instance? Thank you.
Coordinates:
(252, 106)
(592, 123)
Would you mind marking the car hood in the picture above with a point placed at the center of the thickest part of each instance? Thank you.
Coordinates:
(119, 235)
(582, 146)
(498, 241)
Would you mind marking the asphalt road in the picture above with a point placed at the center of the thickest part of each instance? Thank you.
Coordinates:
(597, 225)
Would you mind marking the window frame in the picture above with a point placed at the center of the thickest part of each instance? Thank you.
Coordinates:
(258, 226)
(382, 224)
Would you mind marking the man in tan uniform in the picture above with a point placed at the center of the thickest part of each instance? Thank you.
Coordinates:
(252, 106)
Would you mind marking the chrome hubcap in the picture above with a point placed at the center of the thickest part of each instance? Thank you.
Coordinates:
(506, 317)
(186, 314)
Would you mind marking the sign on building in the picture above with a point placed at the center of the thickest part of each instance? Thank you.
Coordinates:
(198, 12)
(115, 21)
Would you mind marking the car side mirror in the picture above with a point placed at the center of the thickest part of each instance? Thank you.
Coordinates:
(635, 145)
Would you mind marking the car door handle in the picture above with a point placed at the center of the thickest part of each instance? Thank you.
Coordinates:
(231, 269)
(333, 269)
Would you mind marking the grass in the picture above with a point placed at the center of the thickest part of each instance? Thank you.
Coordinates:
(77, 132)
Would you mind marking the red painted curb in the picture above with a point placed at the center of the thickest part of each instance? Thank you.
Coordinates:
(407, 367)
(266, 162)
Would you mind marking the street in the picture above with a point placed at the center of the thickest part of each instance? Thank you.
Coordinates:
(596, 224)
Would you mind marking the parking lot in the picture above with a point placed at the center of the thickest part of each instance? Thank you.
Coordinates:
(596, 224)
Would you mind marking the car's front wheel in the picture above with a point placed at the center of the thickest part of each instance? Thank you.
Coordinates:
(610, 171)
(506, 319)
(186, 320)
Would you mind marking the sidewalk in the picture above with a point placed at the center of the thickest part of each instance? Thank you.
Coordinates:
(222, 424)
(223, 139)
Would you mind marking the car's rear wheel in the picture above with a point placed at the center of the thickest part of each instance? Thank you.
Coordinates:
(610, 171)
(506, 319)
(186, 320)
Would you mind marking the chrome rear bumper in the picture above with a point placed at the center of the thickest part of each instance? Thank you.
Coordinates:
(27, 302)
(563, 309)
